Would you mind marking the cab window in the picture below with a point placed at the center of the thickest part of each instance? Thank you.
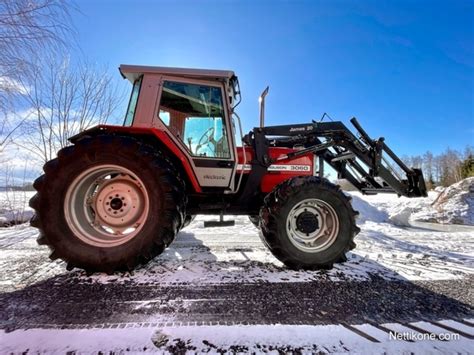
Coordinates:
(132, 104)
(194, 113)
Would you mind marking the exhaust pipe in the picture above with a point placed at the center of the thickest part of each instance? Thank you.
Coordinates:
(261, 100)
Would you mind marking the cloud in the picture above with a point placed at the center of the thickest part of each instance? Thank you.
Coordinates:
(18, 166)
(13, 86)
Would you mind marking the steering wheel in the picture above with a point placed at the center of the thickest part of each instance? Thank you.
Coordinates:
(207, 137)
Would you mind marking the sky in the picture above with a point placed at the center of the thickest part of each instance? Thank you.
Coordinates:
(405, 69)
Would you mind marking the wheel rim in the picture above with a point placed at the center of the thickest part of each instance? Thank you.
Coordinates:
(312, 225)
(106, 205)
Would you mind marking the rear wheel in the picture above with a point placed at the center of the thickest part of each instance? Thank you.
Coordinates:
(308, 223)
(116, 205)
(108, 203)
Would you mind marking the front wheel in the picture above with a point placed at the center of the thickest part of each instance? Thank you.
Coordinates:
(255, 219)
(308, 223)
(188, 219)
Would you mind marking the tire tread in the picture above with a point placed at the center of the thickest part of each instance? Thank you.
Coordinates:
(166, 175)
(273, 203)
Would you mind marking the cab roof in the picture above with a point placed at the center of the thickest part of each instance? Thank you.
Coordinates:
(133, 72)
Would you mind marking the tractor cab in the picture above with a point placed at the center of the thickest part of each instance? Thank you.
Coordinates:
(193, 107)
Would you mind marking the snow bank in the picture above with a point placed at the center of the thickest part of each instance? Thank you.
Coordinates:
(14, 207)
(367, 211)
(451, 205)
(401, 217)
(389, 208)
(454, 205)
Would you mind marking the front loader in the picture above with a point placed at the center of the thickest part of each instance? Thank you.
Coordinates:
(118, 195)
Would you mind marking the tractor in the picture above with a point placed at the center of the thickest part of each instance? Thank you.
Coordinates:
(118, 195)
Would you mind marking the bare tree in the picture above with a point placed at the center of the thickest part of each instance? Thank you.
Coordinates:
(15, 196)
(450, 167)
(28, 29)
(428, 161)
(65, 100)
(416, 161)
(437, 168)
(444, 169)
(9, 125)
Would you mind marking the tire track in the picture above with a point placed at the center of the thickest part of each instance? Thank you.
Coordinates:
(64, 301)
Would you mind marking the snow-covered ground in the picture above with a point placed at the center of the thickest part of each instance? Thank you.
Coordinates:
(210, 290)
(14, 207)
(242, 339)
(453, 205)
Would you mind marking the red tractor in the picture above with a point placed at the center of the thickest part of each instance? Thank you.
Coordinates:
(117, 196)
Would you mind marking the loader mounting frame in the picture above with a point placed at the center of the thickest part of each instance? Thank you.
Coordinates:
(348, 153)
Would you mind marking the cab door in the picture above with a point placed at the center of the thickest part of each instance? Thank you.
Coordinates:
(196, 115)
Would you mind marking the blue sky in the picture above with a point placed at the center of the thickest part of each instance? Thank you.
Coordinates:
(404, 68)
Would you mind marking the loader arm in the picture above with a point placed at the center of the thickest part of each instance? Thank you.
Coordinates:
(369, 165)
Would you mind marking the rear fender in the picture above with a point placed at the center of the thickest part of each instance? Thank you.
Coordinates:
(153, 136)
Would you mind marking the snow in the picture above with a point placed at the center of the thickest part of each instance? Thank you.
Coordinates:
(368, 211)
(272, 339)
(454, 205)
(451, 205)
(14, 207)
(390, 246)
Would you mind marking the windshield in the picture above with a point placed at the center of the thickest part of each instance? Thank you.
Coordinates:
(132, 104)
(195, 114)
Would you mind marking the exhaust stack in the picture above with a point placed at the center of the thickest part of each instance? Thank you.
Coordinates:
(261, 100)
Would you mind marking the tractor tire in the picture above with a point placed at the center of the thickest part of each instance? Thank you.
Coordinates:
(108, 203)
(188, 219)
(255, 219)
(308, 223)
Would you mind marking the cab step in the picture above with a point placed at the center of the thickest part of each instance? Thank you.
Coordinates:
(219, 223)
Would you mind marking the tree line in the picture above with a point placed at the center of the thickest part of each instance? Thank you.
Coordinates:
(443, 169)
